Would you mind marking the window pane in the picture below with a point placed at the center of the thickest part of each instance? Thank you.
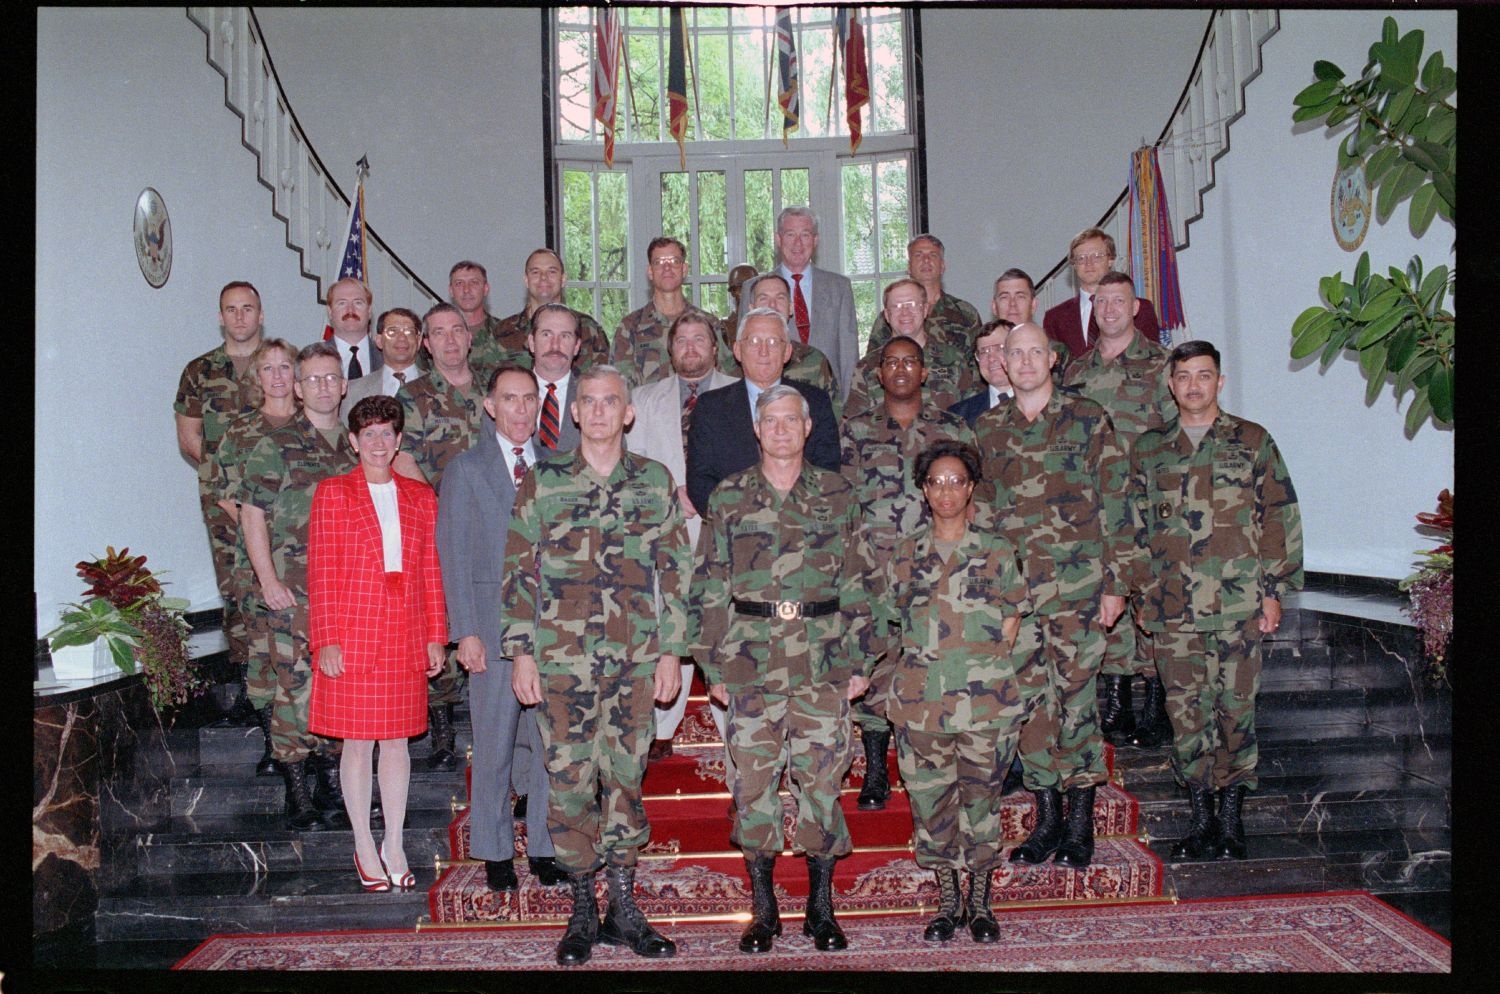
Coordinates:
(614, 227)
(713, 223)
(750, 119)
(895, 221)
(859, 219)
(760, 219)
(574, 15)
(676, 212)
(714, 298)
(581, 298)
(888, 87)
(644, 63)
(712, 17)
(815, 57)
(574, 85)
(866, 304)
(711, 64)
(578, 224)
(613, 306)
(794, 187)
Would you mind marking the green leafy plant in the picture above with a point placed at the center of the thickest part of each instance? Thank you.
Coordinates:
(127, 609)
(1405, 133)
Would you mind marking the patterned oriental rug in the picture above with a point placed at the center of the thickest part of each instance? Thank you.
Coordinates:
(1347, 932)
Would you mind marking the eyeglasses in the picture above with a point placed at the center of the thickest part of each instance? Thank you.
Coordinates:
(902, 361)
(399, 331)
(322, 379)
(761, 342)
(942, 482)
(1090, 257)
(663, 261)
(985, 351)
(904, 305)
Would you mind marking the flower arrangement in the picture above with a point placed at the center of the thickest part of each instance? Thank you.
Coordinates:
(1431, 587)
(126, 608)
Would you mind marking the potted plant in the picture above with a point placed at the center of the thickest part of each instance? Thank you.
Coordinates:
(127, 620)
(1431, 588)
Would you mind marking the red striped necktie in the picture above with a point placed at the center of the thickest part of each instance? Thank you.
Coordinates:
(550, 427)
(799, 308)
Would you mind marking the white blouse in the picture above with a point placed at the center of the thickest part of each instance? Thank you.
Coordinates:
(384, 496)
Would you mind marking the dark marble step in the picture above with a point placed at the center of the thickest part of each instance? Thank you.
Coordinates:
(239, 793)
(261, 842)
(1359, 762)
(219, 745)
(1304, 805)
(1389, 859)
(1276, 864)
(198, 905)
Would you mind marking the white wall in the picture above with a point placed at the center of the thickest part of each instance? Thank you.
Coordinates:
(1253, 265)
(447, 105)
(1032, 116)
(149, 111)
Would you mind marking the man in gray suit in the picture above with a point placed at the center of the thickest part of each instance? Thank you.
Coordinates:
(823, 313)
(663, 411)
(553, 344)
(479, 490)
(398, 336)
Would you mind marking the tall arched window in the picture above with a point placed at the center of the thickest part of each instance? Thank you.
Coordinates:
(739, 172)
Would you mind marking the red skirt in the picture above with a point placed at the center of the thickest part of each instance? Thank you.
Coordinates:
(388, 702)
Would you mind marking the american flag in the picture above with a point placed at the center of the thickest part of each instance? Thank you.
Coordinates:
(606, 75)
(786, 59)
(856, 71)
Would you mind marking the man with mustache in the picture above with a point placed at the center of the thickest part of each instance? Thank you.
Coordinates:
(504, 339)
(349, 309)
(553, 344)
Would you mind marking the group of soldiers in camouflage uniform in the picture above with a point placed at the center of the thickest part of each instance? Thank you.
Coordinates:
(1114, 522)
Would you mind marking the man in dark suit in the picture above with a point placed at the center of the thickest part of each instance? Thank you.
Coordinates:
(823, 313)
(553, 344)
(473, 514)
(349, 308)
(722, 437)
(1092, 254)
(989, 353)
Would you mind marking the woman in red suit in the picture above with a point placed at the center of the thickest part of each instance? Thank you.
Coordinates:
(378, 628)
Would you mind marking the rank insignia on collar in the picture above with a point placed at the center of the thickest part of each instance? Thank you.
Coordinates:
(1164, 510)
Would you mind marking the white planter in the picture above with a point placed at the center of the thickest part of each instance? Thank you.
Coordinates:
(84, 662)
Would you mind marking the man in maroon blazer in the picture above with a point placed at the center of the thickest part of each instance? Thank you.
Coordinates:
(1092, 254)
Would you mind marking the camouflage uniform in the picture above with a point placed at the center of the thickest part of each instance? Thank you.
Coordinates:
(949, 320)
(876, 456)
(951, 376)
(1133, 388)
(280, 475)
(225, 477)
(584, 560)
(639, 347)
(504, 340)
(1059, 493)
(1223, 531)
(786, 678)
(954, 695)
(209, 389)
(441, 421)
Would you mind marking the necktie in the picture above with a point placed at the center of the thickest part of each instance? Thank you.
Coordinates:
(520, 470)
(547, 434)
(1090, 322)
(355, 369)
(687, 411)
(400, 378)
(799, 308)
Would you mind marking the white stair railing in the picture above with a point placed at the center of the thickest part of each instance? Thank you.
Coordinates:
(304, 195)
(1195, 137)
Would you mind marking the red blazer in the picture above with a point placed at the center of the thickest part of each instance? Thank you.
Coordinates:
(1064, 323)
(346, 573)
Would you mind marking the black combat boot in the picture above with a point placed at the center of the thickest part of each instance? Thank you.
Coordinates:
(328, 794)
(266, 767)
(577, 943)
(1155, 728)
(819, 923)
(1077, 846)
(1044, 838)
(1203, 831)
(950, 912)
(1012, 781)
(440, 722)
(765, 916)
(1231, 824)
(624, 924)
(872, 796)
(240, 714)
(302, 815)
(1116, 716)
(982, 924)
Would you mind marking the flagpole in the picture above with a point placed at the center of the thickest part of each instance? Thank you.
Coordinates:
(833, 77)
(635, 116)
(692, 71)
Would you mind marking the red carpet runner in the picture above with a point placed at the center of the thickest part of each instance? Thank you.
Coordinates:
(1325, 933)
(690, 870)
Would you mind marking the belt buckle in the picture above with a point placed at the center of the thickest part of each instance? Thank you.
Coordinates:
(788, 610)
